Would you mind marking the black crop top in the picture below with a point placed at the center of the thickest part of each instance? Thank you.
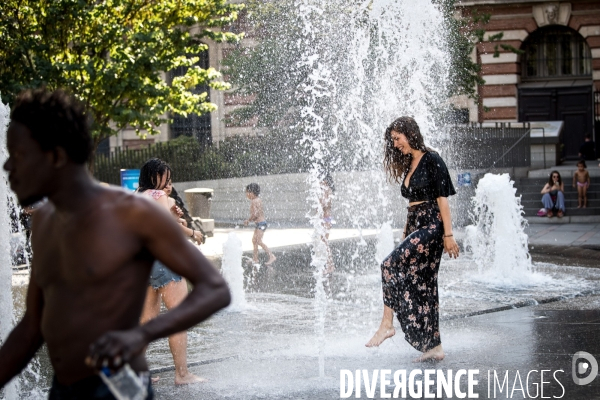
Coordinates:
(429, 181)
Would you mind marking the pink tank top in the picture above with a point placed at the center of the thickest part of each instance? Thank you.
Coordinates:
(155, 194)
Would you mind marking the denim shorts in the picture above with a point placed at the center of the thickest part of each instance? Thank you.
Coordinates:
(161, 275)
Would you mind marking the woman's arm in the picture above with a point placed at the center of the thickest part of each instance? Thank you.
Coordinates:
(450, 245)
(546, 189)
(562, 187)
(191, 233)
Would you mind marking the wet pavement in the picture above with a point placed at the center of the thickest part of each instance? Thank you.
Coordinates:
(270, 350)
(516, 344)
(541, 235)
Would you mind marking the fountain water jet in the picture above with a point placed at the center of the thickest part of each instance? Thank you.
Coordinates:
(11, 391)
(385, 242)
(368, 63)
(233, 272)
(497, 238)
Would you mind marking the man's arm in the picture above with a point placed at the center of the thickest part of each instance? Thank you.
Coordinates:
(163, 237)
(26, 338)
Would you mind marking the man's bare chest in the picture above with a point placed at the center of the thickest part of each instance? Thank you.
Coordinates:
(81, 252)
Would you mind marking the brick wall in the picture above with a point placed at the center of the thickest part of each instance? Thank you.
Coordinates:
(517, 21)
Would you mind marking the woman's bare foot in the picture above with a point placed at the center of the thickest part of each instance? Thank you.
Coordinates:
(435, 354)
(383, 333)
(188, 379)
(155, 379)
(271, 260)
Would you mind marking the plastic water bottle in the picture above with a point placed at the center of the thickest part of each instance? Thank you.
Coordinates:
(125, 384)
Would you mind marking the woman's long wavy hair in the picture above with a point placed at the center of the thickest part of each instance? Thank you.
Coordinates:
(394, 162)
(551, 181)
(151, 174)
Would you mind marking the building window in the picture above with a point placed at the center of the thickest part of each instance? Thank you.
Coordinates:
(555, 52)
(197, 126)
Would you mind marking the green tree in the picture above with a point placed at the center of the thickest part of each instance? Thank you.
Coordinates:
(114, 55)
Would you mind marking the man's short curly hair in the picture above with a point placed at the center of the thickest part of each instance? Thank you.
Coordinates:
(55, 119)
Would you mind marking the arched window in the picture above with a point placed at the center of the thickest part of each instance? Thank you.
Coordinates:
(555, 52)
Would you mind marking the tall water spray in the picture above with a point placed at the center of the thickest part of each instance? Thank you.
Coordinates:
(233, 272)
(6, 301)
(497, 238)
(385, 242)
(369, 62)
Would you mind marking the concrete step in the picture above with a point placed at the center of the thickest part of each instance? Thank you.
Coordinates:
(542, 181)
(569, 203)
(537, 186)
(565, 170)
(569, 193)
(571, 211)
(529, 189)
(567, 219)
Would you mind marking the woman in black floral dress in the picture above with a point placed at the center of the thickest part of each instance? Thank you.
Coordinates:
(409, 273)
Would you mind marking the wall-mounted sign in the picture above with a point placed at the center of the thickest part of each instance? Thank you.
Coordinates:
(464, 179)
(130, 179)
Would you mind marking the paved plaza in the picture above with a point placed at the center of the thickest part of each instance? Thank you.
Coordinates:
(271, 348)
(578, 237)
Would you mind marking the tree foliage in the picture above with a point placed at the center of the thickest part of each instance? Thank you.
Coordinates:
(114, 55)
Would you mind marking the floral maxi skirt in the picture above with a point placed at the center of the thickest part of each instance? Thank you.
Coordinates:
(410, 277)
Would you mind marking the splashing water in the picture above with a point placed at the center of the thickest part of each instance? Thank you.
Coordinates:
(497, 239)
(6, 302)
(12, 239)
(369, 62)
(233, 271)
(385, 242)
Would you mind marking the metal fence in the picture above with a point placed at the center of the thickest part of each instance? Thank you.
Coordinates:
(471, 147)
(190, 161)
(479, 146)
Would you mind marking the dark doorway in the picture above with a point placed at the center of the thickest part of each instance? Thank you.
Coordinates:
(572, 104)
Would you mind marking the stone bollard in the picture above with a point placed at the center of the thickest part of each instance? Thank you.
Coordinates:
(198, 201)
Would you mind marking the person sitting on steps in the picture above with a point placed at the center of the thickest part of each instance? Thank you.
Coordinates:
(553, 195)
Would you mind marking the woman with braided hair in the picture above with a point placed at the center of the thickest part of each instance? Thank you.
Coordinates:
(165, 285)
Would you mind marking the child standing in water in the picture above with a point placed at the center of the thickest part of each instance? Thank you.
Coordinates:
(257, 215)
(327, 190)
(581, 177)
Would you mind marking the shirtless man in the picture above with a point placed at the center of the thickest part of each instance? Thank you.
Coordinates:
(93, 249)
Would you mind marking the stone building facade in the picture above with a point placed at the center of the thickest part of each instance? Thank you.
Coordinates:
(211, 127)
(555, 75)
